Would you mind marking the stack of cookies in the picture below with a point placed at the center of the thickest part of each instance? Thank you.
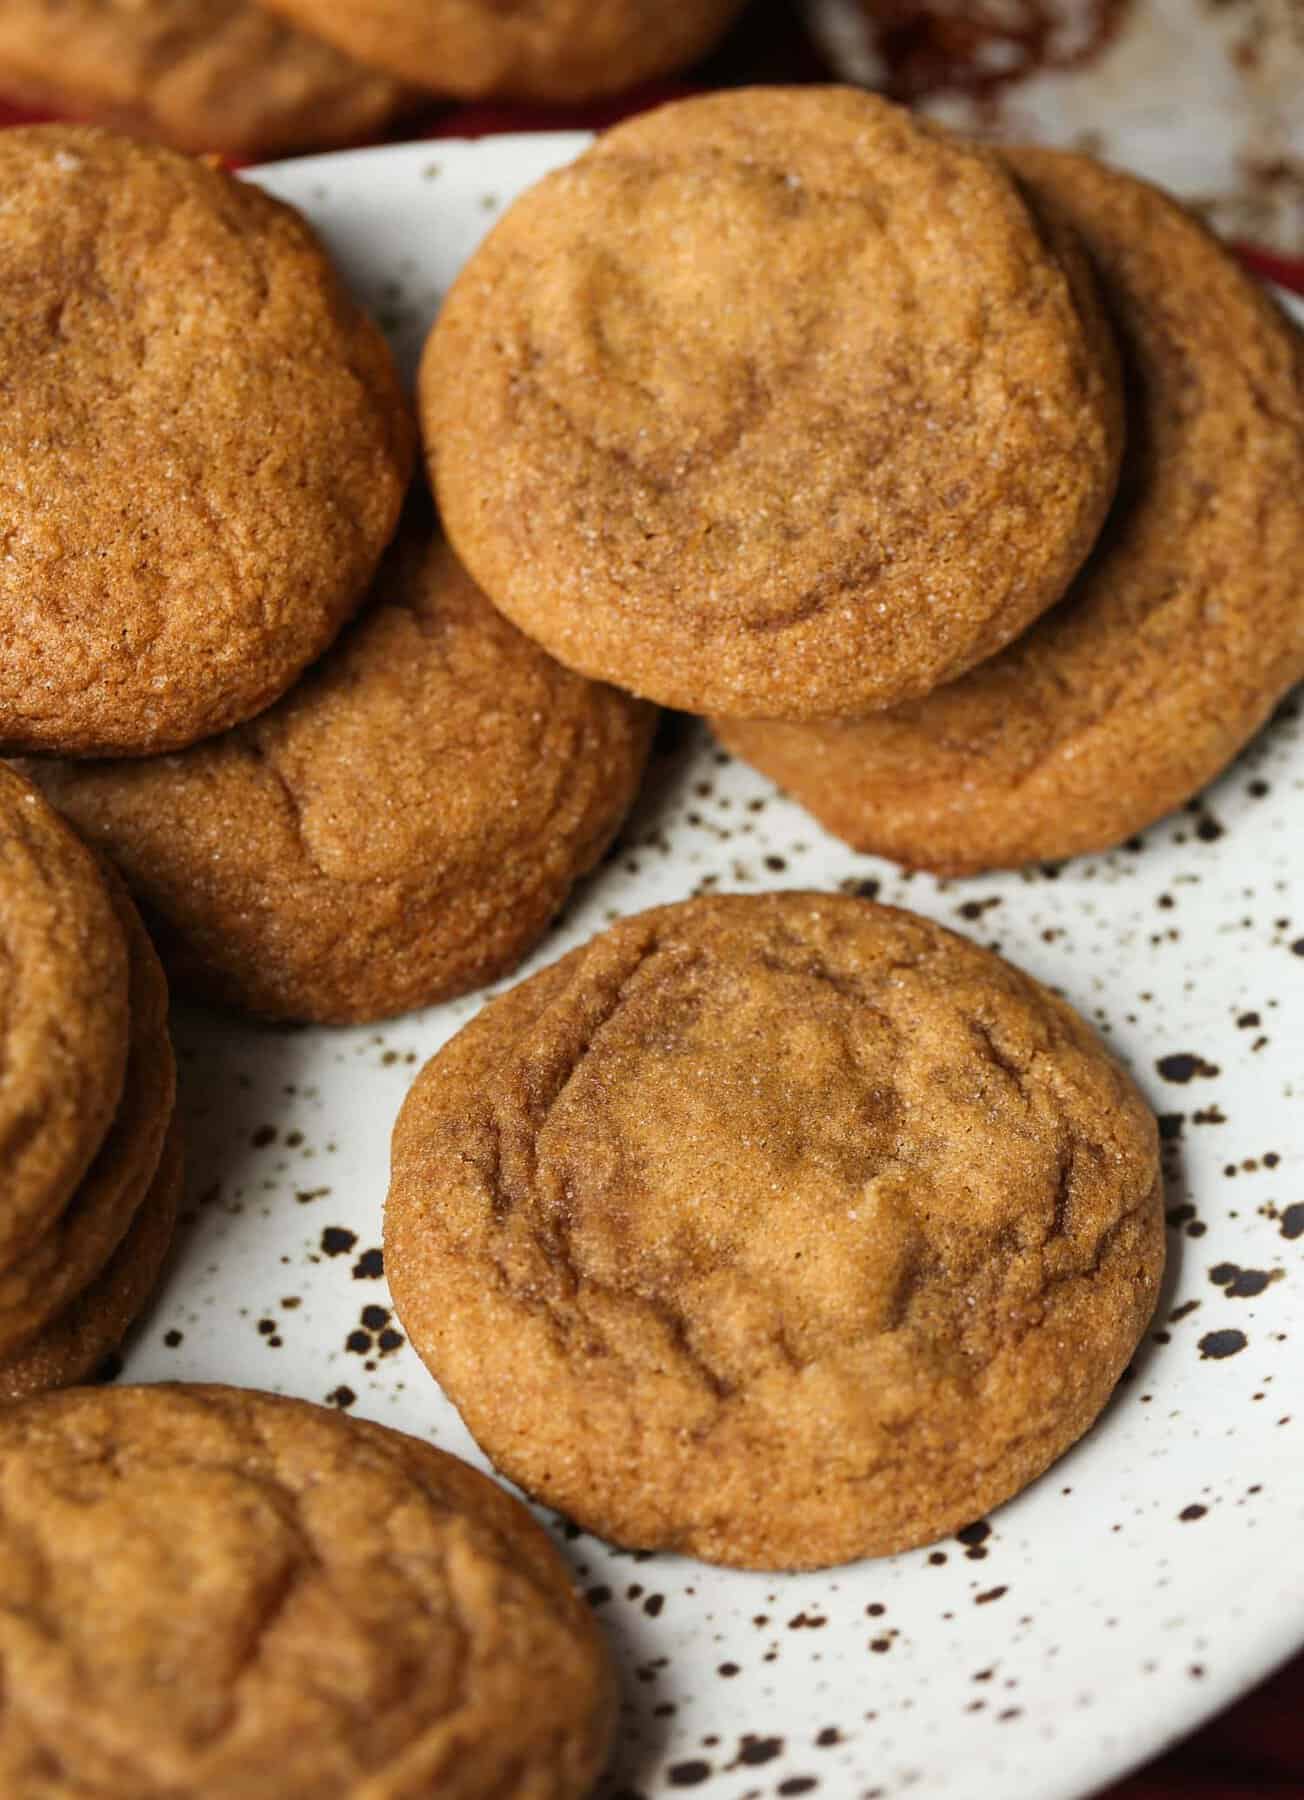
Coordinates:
(203, 452)
(205, 455)
(91, 1156)
(257, 80)
(959, 490)
(400, 827)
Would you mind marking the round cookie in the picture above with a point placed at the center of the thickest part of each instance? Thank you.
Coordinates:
(756, 1229)
(75, 1247)
(200, 74)
(64, 1012)
(209, 1592)
(551, 50)
(203, 447)
(777, 403)
(73, 1346)
(290, 885)
(1184, 629)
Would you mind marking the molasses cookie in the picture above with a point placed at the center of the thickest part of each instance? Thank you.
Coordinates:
(776, 403)
(74, 1247)
(203, 446)
(75, 1344)
(757, 1229)
(1184, 629)
(208, 1592)
(401, 827)
(549, 50)
(64, 1012)
(200, 74)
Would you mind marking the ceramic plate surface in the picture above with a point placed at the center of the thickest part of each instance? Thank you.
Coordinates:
(1153, 1573)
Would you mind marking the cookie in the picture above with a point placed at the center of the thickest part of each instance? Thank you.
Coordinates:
(209, 1592)
(757, 1227)
(401, 827)
(73, 1346)
(64, 1012)
(199, 74)
(1180, 635)
(75, 1247)
(550, 50)
(776, 403)
(203, 446)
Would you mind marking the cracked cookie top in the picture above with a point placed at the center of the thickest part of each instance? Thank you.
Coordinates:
(400, 827)
(64, 1013)
(210, 1592)
(775, 404)
(1181, 633)
(759, 1228)
(203, 446)
(200, 74)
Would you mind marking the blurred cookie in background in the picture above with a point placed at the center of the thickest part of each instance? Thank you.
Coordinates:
(197, 74)
(552, 50)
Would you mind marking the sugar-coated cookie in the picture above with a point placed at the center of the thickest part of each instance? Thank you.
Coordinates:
(214, 1594)
(401, 827)
(203, 446)
(777, 403)
(1180, 635)
(778, 1229)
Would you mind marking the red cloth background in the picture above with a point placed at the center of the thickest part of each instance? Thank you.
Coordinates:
(1256, 1750)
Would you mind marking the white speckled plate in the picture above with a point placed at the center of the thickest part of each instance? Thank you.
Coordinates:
(1157, 1570)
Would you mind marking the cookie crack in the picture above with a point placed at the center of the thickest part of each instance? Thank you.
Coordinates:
(678, 1329)
(266, 760)
(1104, 1245)
(1059, 1223)
(541, 1109)
(992, 1053)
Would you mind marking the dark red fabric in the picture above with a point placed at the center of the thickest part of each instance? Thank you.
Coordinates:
(1256, 1750)
(22, 115)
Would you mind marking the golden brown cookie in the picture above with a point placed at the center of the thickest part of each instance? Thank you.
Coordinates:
(757, 1228)
(203, 446)
(74, 1248)
(548, 50)
(73, 1346)
(1183, 630)
(400, 828)
(63, 1012)
(776, 403)
(199, 74)
(213, 1593)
